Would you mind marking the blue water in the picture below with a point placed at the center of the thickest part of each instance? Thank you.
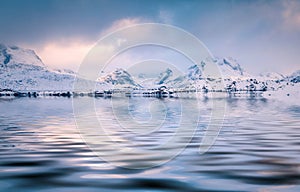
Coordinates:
(41, 149)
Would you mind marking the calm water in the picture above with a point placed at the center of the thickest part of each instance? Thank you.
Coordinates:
(258, 148)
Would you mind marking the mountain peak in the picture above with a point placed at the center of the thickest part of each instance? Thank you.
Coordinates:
(118, 77)
(11, 54)
(232, 63)
(164, 76)
(228, 67)
(194, 72)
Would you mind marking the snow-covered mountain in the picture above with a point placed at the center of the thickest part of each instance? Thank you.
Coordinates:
(16, 55)
(22, 69)
(271, 76)
(228, 68)
(194, 72)
(294, 77)
(195, 77)
(164, 76)
(234, 77)
(119, 78)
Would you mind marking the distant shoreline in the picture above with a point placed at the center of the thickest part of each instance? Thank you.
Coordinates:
(172, 93)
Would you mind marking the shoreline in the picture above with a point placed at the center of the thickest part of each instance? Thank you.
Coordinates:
(172, 93)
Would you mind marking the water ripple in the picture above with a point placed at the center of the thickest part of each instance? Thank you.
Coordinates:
(257, 149)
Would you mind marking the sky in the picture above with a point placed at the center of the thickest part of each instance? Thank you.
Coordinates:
(262, 35)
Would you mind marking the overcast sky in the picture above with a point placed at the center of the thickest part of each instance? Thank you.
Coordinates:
(261, 35)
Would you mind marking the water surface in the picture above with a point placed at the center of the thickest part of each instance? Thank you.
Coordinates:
(258, 148)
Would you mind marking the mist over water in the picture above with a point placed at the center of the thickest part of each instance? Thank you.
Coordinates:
(42, 150)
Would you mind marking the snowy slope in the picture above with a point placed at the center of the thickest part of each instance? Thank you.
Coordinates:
(234, 77)
(195, 77)
(164, 76)
(271, 76)
(119, 78)
(230, 68)
(194, 72)
(294, 77)
(22, 69)
(16, 55)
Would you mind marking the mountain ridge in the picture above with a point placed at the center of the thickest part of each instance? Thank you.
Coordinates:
(22, 69)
